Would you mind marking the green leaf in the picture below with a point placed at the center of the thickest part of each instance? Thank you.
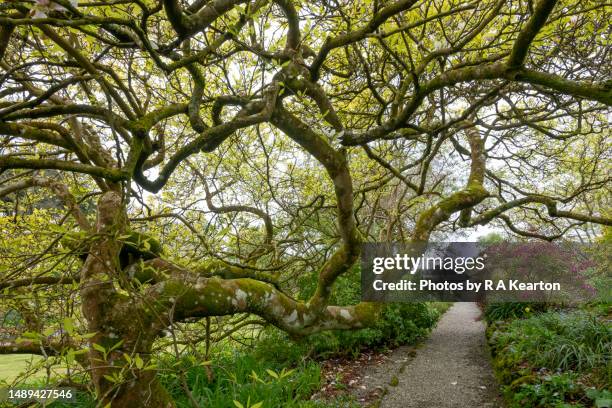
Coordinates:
(287, 373)
(255, 377)
(117, 345)
(68, 325)
(139, 362)
(99, 348)
(110, 378)
(70, 356)
(48, 331)
(238, 404)
(31, 335)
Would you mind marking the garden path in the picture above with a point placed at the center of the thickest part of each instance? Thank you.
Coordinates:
(452, 368)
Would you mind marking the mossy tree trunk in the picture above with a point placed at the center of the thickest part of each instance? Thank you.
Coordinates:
(119, 352)
(125, 326)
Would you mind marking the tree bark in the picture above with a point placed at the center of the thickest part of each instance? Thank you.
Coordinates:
(118, 326)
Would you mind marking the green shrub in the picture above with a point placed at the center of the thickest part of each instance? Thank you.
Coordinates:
(399, 323)
(601, 398)
(403, 323)
(278, 349)
(551, 391)
(511, 310)
(547, 359)
(560, 340)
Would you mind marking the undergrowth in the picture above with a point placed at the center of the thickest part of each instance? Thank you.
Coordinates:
(559, 358)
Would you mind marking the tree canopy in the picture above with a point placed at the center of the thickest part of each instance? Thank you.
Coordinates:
(165, 161)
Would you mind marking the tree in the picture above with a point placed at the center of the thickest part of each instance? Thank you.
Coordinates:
(234, 145)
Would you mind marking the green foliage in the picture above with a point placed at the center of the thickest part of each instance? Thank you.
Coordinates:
(11, 318)
(554, 359)
(404, 323)
(143, 244)
(551, 391)
(511, 310)
(342, 401)
(601, 398)
(559, 340)
(598, 275)
(491, 238)
(241, 377)
(399, 323)
(83, 400)
(276, 348)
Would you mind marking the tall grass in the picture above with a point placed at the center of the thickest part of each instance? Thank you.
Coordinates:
(243, 378)
(575, 340)
(511, 310)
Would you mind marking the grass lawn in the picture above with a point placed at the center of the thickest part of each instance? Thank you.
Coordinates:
(11, 365)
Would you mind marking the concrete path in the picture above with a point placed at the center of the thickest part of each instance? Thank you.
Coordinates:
(451, 370)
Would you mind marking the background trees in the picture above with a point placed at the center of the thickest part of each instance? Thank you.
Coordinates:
(165, 161)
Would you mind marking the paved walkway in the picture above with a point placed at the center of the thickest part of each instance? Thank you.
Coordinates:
(451, 370)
